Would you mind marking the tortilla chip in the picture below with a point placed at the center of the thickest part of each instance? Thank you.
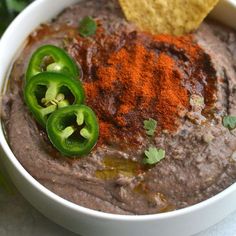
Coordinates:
(167, 16)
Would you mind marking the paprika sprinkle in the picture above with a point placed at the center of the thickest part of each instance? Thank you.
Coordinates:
(137, 76)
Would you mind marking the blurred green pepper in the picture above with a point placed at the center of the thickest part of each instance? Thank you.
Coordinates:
(5, 16)
(8, 11)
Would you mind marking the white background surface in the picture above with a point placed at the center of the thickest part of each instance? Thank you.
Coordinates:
(19, 218)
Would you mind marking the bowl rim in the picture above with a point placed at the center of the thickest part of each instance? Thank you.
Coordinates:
(66, 203)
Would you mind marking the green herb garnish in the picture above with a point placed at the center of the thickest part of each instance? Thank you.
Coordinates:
(150, 126)
(87, 26)
(196, 100)
(153, 155)
(229, 122)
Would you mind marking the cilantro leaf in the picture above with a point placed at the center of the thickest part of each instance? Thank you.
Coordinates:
(153, 155)
(150, 126)
(229, 122)
(87, 26)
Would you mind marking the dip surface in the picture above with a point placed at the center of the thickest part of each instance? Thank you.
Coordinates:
(200, 152)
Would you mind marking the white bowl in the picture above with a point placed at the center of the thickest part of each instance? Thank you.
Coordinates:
(85, 221)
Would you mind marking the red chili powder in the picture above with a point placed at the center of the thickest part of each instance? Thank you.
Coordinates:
(141, 77)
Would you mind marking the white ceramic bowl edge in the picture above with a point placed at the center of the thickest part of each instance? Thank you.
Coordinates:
(79, 219)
